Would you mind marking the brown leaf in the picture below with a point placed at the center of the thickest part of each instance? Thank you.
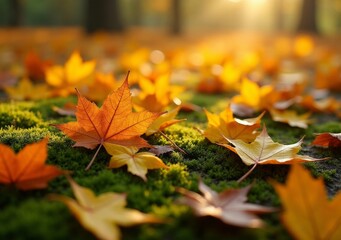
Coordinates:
(327, 140)
(229, 206)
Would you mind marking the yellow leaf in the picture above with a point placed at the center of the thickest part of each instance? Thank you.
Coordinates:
(138, 163)
(25, 90)
(263, 150)
(225, 126)
(308, 213)
(291, 118)
(73, 74)
(163, 121)
(102, 214)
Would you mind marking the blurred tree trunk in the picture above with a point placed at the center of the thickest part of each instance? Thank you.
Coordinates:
(279, 4)
(308, 17)
(137, 12)
(176, 17)
(15, 18)
(103, 15)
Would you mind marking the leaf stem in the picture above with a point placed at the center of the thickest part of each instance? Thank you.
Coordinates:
(93, 158)
(248, 173)
(173, 143)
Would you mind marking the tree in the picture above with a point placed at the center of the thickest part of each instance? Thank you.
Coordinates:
(103, 15)
(176, 17)
(15, 10)
(308, 17)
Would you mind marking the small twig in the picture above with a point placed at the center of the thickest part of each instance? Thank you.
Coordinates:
(93, 158)
(248, 173)
(173, 143)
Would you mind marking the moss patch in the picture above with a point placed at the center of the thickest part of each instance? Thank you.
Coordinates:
(29, 215)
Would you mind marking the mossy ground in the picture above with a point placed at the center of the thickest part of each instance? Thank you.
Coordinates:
(30, 215)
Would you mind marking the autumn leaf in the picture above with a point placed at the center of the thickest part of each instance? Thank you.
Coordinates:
(229, 206)
(263, 150)
(102, 215)
(138, 163)
(114, 122)
(255, 97)
(164, 121)
(156, 95)
(225, 126)
(69, 109)
(327, 140)
(27, 169)
(327, 105)
(35, 66)
(73, 74)
(102, 86)
(308, 213)
(25, 90)
(161, 149)
(291, 117)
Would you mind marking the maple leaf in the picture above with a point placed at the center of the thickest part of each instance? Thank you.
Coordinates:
(35, 66)
(164, 121)
(263, 150)
(102, 214)
(138, 163)
(323, 105)
(74, 73)
(254, 96)
(225, 126)
(229, 206)
(102, 85)
(114, 122)
(327, 140)
(25, 90)
(27, 169)
(156, 95)
(291, 118)
(308, 213)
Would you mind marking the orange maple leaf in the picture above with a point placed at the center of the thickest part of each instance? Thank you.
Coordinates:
(327, 140)
(35, 66)
(27, 169)
(308, 213)
(114, 122)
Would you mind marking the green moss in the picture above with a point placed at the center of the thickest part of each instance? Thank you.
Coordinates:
(12, 115)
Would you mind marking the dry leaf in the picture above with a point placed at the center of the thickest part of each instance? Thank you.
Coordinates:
(138, 163)
(27, 169)
(291, 118)
(102, 214)
(327, 140)
(161, 149)
(73, 74)
(69, 109)
(263, 150)
(224, 126)
(114, 122)
(25, 90)
(229, 206)
(35, 66)
(164, 121)
(308, 213)
(255, 97)
(330, 104)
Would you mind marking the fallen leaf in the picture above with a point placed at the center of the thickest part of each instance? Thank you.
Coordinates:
(229, 206)
(161, 149)
(225, 126)
(330, 104)
(308, 213)
(25, 90)
(291, 117)
(35, 66)
(27, 169)
(69, 109)
(164, 121)
(263, 150)
(138, 163)
(255, 97)
(114, 122)
(327, 140)
(102, 214)
(73, 74)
